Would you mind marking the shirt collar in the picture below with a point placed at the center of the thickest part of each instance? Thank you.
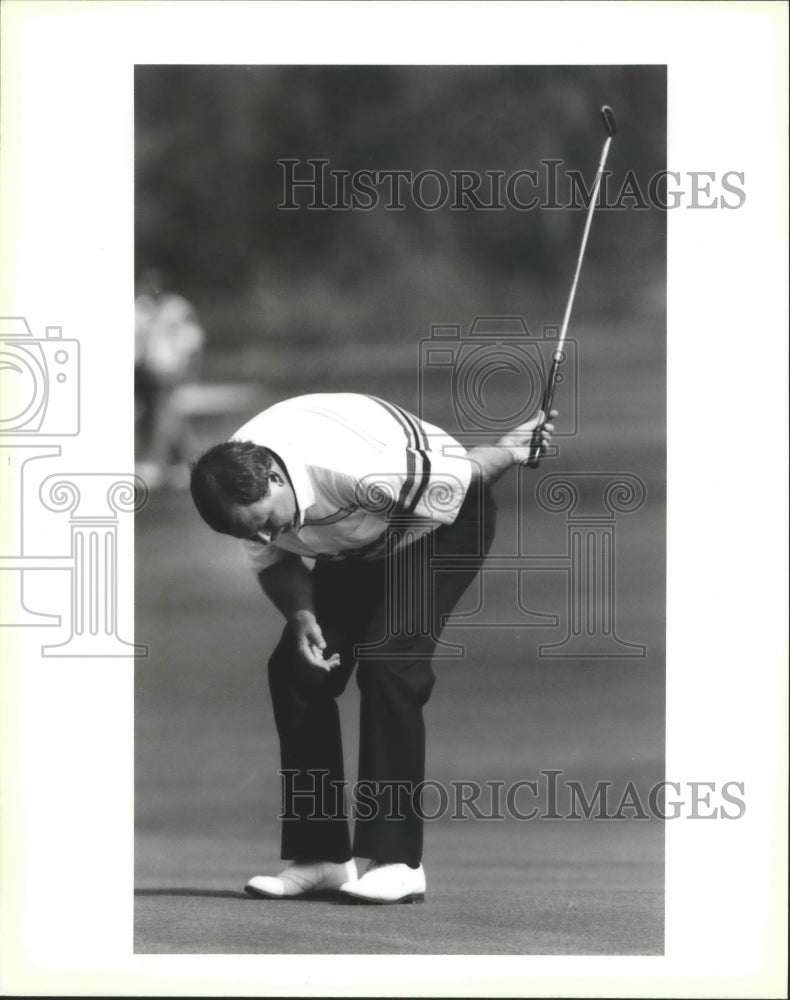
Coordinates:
(298, 479)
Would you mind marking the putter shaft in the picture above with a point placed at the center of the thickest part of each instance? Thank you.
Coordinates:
(558, 355)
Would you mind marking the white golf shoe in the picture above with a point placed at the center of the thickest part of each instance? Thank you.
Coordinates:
(386, 883)
(302, 880)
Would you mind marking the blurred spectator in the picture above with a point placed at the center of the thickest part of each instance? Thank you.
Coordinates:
(168, 349)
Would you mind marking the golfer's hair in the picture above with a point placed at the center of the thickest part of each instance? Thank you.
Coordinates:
(234, 472)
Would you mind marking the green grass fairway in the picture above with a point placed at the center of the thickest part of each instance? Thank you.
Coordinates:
(207, 791)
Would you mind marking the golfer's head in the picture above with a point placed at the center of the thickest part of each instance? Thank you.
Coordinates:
(239, 489)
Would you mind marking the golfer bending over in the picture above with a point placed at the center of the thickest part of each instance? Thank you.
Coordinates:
(373, 495)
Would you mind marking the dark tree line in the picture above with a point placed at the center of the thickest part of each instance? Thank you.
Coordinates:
(208, 184)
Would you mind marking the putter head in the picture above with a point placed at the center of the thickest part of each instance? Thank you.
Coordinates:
(608, 119)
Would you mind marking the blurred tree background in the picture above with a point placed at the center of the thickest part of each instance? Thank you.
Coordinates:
(266, 280)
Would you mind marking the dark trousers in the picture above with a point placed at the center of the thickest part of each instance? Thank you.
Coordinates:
(384, 616)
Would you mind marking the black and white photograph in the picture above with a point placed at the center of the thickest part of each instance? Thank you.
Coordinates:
(381, 288)
(392, 597)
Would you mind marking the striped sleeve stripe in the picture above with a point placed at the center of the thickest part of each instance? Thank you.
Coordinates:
(422, 440)
(408, 484)
(422, 448)
(416, 444)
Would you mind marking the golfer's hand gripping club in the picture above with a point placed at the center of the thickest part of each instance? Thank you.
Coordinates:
(539, 442)
(520, 442)
(607, 116)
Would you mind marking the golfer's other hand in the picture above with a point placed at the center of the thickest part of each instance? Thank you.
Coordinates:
(310, 643)
(520, 441)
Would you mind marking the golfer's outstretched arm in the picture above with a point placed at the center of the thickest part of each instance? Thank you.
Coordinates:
(289, 586)
(490, 462)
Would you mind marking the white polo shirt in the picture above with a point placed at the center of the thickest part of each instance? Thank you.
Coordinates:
(357, 465)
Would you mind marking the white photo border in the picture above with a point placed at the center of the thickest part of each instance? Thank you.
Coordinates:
(67, 259)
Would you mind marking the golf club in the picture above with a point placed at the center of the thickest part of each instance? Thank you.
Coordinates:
(558, 356)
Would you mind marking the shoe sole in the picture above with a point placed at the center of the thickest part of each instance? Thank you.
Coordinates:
(415, 897)
(314, 894)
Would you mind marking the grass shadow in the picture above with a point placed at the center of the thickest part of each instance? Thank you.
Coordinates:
(207, 893)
